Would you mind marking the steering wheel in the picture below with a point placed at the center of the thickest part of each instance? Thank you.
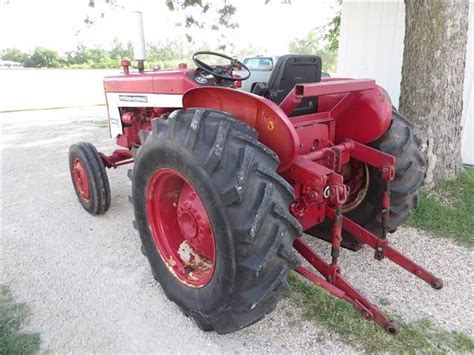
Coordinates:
(223, 72)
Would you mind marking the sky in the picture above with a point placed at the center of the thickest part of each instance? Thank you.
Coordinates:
(59, 24)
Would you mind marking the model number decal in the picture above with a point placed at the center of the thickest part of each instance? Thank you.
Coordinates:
(133, 98)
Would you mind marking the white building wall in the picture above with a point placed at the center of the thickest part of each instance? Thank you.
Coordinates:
(371, 46)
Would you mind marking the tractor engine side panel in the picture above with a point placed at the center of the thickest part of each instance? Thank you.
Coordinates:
(160, 90)
(118, 102)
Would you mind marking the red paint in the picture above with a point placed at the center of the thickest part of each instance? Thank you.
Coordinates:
(81, 181)
(117, 158)
(312, 137)
(374, 158)
(349, 103)
(320, 282)
(308, 178)
(367, 119)
(170, 81)
(134, 82)
(180, 227)
(125, 64)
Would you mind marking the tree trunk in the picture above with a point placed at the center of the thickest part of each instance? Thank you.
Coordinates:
(432, 80)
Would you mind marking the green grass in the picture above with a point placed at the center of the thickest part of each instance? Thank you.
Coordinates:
(12, 317)
(340, 318)
(448, 211)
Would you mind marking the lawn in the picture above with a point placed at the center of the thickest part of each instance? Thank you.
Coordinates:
(448, 210)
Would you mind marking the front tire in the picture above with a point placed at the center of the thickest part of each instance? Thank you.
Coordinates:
(89, 178)
(246, 203)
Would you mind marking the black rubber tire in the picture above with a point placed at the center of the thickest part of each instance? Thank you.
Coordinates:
(253, 229)
(97, 176)
(410, 169)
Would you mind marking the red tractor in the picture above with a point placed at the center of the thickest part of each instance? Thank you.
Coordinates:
(225, 182)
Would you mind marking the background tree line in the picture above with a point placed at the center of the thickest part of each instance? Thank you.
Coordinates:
(320, 41)
(164, 55)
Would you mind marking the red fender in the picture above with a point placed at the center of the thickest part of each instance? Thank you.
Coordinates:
(365, 120)
(274, 127)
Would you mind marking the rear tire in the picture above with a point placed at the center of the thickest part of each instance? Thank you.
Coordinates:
(89, 178)
(247, 204)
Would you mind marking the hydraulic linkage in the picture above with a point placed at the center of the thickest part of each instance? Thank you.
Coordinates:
(335, 193)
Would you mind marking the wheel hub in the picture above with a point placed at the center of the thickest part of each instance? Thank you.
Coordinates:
(187, 224)
(180, 227)
(81, 180)
(356, 177)
(193, 221)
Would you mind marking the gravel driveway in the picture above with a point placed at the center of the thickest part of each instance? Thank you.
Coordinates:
(91, 290)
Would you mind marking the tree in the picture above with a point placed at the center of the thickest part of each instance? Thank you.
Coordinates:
(432, 80)
(223, 10)
(332, 29)
(323, 41)
(219, 14)
(167, 54)
(314, 43)
(98, 9)
(43, 57)
(15, 55)
(96, 58)
(121, 51)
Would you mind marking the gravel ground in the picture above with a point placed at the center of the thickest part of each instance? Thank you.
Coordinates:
(451, 308)
(90, 288)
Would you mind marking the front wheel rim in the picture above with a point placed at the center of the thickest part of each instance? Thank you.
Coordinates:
(180, 227)
(81, 180)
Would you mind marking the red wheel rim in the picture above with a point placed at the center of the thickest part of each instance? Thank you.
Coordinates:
(81, 180)
(180, 227)
(356, 177)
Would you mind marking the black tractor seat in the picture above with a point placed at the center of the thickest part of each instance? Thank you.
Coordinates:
(289, 70)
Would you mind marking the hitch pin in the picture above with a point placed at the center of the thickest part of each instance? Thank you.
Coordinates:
(326, 192)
